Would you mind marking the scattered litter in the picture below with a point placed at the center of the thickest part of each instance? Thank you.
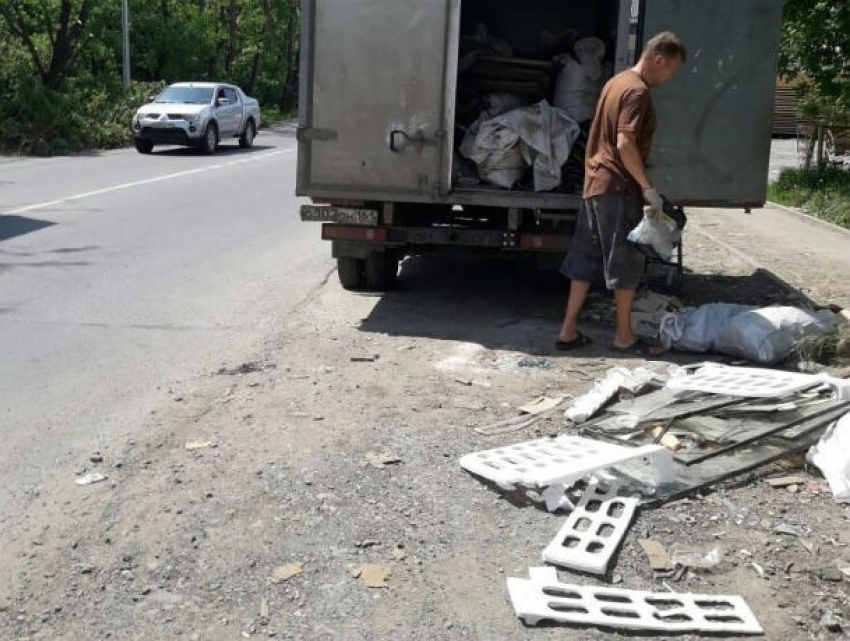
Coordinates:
(286, 572)
(785, 481)
(830, 622)
(541, 404)
(560, 461)
(381, 460)
(97, 457)
(667, 440)
(264, 609)
(759, 570)
(90, 478)
(198, 445)
(538, 363)
(365, 359)
(832, 457)
(374, 575)
(399, 553)
(692, 556)
(513, 424)
(544, 598)
(659, 560)
(245, 368)
(593, 530)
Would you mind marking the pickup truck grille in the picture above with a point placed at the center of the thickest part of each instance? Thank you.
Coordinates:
(164, 136)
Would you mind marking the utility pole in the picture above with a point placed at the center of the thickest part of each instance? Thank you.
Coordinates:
(125, 37)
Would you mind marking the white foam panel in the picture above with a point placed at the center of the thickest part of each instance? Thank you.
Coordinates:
(544, 598)
(593, 530)
(751, 382)
(562, 461)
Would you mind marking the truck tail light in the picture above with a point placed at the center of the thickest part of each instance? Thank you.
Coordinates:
(331, 231)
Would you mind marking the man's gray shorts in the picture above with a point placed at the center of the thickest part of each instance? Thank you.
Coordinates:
(600, 242)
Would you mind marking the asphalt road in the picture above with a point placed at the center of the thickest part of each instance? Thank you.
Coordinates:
(120, 273)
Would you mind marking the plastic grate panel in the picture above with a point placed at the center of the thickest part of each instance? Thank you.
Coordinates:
(593, 530)
(543, 598)
(744, 381)
(561, 460)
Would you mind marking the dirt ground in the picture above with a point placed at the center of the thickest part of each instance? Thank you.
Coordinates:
(262, 496)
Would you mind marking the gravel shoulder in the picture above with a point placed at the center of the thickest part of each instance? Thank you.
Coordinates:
(332, 450)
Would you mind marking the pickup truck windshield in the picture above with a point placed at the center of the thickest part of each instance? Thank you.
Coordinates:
(188, 95)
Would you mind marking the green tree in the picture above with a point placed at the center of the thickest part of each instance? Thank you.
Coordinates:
(816, 48)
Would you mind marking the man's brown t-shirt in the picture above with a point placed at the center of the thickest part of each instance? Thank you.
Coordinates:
(625, 105)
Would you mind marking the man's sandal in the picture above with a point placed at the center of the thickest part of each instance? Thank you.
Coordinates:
(579, 341)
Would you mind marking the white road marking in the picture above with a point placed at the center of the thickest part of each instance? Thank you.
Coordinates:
(147, 181)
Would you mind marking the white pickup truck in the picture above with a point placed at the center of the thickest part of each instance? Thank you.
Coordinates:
(198, 114)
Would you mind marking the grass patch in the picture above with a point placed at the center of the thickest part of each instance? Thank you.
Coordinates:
(822, 193)
(832, 348)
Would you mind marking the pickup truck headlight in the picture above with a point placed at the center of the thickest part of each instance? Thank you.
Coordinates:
(191, 117)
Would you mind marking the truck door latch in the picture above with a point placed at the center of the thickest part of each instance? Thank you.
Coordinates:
(400, 140)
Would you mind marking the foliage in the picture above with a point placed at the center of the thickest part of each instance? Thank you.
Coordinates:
(815, 47)
(61, 78)
(823, 193)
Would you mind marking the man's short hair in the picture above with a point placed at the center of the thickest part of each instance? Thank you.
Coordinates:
(666, 44)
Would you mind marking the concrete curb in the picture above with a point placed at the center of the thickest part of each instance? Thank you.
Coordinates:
(799, 213)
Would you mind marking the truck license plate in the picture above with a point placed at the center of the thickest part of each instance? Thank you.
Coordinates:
(346, 215)
(162, 125)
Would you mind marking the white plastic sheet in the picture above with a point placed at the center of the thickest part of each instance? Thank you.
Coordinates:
(832, 457)
(540, 136)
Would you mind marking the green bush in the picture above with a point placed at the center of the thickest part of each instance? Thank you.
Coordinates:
(36, 120)
(822, 193)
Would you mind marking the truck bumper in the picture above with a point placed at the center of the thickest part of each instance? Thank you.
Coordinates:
(176, 135)
(414, 240)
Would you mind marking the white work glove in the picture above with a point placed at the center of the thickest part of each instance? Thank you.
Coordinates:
(653, 200)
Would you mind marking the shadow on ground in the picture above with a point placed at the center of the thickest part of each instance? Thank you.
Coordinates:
(508, 305)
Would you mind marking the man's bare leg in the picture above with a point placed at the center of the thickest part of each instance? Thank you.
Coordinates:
(575, 301)
(624, 336)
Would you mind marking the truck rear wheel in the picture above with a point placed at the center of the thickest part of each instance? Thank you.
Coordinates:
(381, 271)
(351, 272)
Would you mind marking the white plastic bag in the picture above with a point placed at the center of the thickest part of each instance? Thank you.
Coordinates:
(832, 457)
(769, 334)
(580, 81)
(659, 232)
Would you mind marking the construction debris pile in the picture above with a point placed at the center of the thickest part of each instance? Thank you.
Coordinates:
(646, 436)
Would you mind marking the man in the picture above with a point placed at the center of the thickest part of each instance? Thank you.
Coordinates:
(615, 188)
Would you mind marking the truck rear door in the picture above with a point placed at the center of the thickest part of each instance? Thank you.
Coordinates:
(377, 97)
(714, 117)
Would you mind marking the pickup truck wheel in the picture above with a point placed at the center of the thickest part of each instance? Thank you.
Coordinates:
(210, 142)
(247, 137)
(143, 146)
(381, 271)
(351, 271)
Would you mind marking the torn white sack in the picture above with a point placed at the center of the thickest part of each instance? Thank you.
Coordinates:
(831, 455)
